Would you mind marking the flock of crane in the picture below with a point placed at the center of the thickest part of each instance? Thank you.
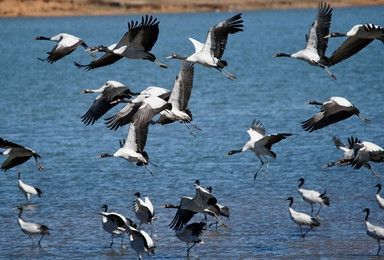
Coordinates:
(141, 109)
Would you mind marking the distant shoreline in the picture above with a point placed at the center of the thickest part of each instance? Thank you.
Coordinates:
(47, 8)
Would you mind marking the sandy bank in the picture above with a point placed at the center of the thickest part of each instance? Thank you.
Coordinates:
(21, 8)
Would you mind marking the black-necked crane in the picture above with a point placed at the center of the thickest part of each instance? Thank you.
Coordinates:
(151, 91)
(201, 202)
(348, 151)
(182, 216)
(313, 197)
(204, 198)
(111, 91)
(66, 44)
(223, 210)
(210, 52)
(143, 109)
(30, 228)
(379, 199)
(359, 36)
(155, 91)
(331, 111)
(107, 59)
(191, 233)
(360, 155)
(179, 98)
(141, 242)
(140, 110)
(17, 155)
(27, 189)
(132, 149)
(115, 224)
(376, 232)
(260, 144)
(316, 43)
(302, 219)
(135, 44)
(366, 152)
(144, 210)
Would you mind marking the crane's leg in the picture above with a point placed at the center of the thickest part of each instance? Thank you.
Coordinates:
(152, 227)
(122, 240)
(262, 163)
(195, 126)
(307, 231)
(378, 251)
(301, 231)
(151, 172)
(214, 223)
(155, 165)
(227, 74)
(111, 241)
(40, 240)
(329, 164)
(327, 70)
(189, 248)
(330, 73)
(190, 131)
(317, 214)
(376, 175)
(266, 168)
(160, 64)
(218, 220)
(28, 198)
(33, 242)
(39, 166)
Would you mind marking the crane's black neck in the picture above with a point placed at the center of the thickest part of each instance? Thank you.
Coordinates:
(106, 155)
(280, 54)
(368, 211)
(313, 102)
(42, 38)
(301, 182)
(291, 201)
(21, 211)
(379, 187)
(234, 151)
(105, 207)
(171, 206)
(177, 56)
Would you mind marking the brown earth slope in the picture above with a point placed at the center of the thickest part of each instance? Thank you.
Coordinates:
(19, 8)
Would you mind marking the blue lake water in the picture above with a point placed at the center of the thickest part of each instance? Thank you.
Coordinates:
(40, 108)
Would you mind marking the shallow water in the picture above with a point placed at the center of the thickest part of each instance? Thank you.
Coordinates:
(41, 108)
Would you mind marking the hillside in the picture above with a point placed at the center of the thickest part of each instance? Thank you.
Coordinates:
(22, 8)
